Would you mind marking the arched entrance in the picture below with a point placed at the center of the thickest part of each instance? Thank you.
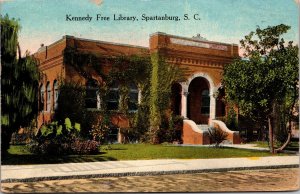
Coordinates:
(176, 98)
(198, 100)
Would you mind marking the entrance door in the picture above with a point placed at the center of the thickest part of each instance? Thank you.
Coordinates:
(199, 101)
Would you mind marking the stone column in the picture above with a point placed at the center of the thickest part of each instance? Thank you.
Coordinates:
(139, 96)
(98, 100)
(212, 107)
(184, 93)
(184, 104)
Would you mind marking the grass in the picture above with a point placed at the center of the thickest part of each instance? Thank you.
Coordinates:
(261, 144)
(146, 151)
(21, 155)
(292, 146)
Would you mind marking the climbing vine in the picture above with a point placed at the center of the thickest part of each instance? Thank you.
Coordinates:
(151, 74)
(123, 70)
(163, 75)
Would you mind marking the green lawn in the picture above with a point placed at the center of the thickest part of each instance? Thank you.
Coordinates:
(21, 155)
(293, 145)
(261, 144)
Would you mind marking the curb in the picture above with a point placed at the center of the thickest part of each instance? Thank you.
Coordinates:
(34, 179)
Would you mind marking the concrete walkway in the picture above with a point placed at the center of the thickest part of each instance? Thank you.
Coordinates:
(246, 146)
(240, 146)
(23, 173)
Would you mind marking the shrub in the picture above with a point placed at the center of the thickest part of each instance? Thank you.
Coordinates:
(24, 135)
(178, 125)
(129, 135)
(100, 128)
(231, 120)
(140, 123)
(84, 147)
(58, 132)
(217, 135)
(71, 104)
(171, 129)
(62, 138)
(50, 148)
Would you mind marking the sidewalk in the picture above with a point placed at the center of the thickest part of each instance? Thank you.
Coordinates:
(240, 146)
(24, 173)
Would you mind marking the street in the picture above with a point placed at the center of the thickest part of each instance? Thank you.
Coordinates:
(248, 180)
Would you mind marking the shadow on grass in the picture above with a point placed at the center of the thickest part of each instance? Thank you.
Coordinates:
(23, 159)
(116, 149)
(292, 148)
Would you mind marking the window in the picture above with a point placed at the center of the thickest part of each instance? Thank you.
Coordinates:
(205, 102)
(113, 97)
(133, 97)
(48, 102)
(91, 100)
(42, 95)
(56, 93)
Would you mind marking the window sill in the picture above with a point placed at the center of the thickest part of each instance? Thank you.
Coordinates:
(94, 109)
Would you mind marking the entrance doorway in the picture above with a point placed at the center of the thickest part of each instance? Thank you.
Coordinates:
(198, 101)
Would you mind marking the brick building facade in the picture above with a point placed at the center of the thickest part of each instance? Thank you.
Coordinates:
(193, 99)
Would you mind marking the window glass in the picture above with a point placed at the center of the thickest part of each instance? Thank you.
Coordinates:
(48, 97)
(42, 95)
(56, 93)
(133, 97)
(91, 94)
(205, 102)
(113, 97)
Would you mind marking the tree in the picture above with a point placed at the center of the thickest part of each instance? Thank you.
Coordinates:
(71, 104)
(266, 81)
(19, 83)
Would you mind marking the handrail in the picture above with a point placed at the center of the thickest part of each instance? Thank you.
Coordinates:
(222, 126)
(193, 126)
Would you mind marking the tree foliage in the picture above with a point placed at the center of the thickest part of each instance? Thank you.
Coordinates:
(19, 83)
(71, 103)
(266, 78)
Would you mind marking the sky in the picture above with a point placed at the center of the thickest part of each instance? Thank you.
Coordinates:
(44, 21)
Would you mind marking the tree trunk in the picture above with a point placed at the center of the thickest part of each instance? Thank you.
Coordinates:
(285, 144)
(289, 122)
(288, 138)
(270, 122)
(19, 51)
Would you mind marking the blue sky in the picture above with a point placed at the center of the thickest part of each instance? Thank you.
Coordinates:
(43, 21)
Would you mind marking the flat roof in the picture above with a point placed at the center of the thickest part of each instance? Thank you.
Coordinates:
(41, 49)
(191, 39)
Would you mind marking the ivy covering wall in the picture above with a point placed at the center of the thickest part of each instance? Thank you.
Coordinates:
(151, 74)
(163, 75)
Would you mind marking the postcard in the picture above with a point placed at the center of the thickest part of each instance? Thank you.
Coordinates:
(149, 96)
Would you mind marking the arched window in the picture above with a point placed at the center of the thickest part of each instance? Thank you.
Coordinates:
(133, 97)
(56, 93)
(91, 100)
(48, 102)
(205, 102)
(42, 97)
(113, 97)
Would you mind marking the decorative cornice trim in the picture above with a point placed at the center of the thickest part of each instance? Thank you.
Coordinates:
(191, 39)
